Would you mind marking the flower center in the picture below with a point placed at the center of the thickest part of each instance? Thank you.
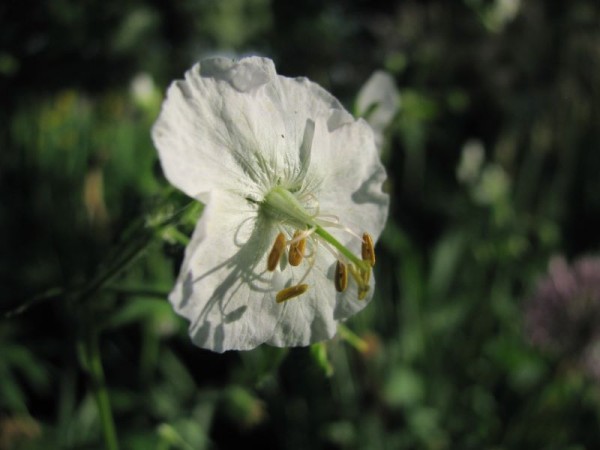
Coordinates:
(284, 207)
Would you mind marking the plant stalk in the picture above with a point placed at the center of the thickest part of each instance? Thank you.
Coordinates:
(96, 371)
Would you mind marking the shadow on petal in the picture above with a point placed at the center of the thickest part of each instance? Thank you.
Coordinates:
(236, 314)
(244, 283)
(370, 190)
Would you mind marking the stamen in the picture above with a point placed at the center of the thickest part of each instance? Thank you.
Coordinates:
(330, 218)
(366, 276)
(291, 292)
(341, 277)
(332, 252)
(362, 277)
(368, 249)
(311, 259)
(297, 246)
(276, 252)
(363, 291)
(337, 225)
(291, 211)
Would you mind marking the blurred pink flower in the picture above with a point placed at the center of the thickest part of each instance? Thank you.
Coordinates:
(563, 316)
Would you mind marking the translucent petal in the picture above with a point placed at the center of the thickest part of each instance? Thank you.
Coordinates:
(229, 133)
(378, 101)
(228, 296)
(236, 126)
(352, 178)
(223, 287)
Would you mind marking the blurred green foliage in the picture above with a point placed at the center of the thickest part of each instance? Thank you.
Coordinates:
(493, 167)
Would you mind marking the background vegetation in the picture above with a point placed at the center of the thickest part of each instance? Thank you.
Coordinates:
(92, 235)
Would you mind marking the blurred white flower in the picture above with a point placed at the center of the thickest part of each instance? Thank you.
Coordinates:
(292, 188)
(471, 160)
(142, 85)
(497, 14)
(143, 89)
(378, 101)
(503, 12)
(493, 185)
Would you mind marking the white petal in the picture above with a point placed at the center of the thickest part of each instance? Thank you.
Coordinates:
(230, 132)
(236, 126)
(228, 296)
(313, 316)
(352, 178)
(202, 132)
(381, 94)
(223, 288)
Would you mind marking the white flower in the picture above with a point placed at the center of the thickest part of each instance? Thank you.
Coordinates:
(471, 161)
(379, 101)
(142, 87)
(290, 183)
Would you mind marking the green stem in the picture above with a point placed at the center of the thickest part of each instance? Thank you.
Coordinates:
(133, 291)
(177, 235)
(96, 371)
(351, 338)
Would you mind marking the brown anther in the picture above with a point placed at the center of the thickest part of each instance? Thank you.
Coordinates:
(291, 292)
(276, 252)
(368, 249)
(296, 254)
(341, 277)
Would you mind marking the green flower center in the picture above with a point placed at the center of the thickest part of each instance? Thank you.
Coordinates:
(283, 206)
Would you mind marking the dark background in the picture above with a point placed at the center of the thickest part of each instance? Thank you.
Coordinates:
(448, 365)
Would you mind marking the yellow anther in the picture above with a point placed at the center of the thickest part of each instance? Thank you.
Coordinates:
(276, 252)
(368, 249)
(297, 247)
(341, 277)
(291, 292)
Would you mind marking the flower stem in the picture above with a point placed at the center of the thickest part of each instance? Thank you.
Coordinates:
(354, 340)
(94, 366)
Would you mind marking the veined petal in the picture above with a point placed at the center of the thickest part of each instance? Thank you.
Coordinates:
(313, 316)
(237, 126)
(223, 288)
(226, 292)
(352, 177)
(269, 155)
(378, 101)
